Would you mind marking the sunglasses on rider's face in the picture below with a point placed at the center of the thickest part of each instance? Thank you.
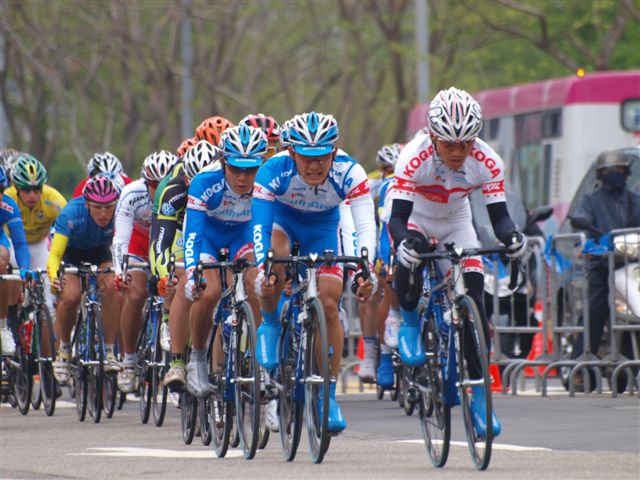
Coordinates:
(31, 189)
(102, 206)
(452, 145)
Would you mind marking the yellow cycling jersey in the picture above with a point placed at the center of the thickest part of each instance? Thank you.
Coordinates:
(38, 220)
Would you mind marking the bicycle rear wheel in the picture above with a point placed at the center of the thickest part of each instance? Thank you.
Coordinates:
(471, 333)
(290, 408)
(188, 416)
(78, 369)
(110, 393)
(247, 382)
(317, 381)
(205, 421)
(435, 416)
(221, 418)
(159, 392)
(48, 384)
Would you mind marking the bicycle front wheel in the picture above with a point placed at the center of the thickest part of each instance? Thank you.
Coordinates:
(22, 381)
(48, 384)
(435, 416)
(96, 367)
(317, 381)
(247, 382)
(188, 416)
(473, 357)
(159, 391)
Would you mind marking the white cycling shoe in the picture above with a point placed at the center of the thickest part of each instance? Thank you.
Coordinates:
(271, 416)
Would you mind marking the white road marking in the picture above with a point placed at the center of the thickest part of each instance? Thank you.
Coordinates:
(496, 446)
(153, 453)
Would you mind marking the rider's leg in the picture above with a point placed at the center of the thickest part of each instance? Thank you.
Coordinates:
(179, 332)
(66, 312)
(130, 325)
(8, 343)
(368, 312)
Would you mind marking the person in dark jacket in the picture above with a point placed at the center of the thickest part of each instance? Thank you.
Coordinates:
(610, 206)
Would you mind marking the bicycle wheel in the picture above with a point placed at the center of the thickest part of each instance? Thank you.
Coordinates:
(317, 381)
(159, 392)
(110, 394)
(188, 416)
(144, 388)
(96, 367)
(36, 392)
(264, 433)
(435, 416)
(471, 326)
(407, 392)
(205, 423)
(221, 418)
(48, 384)
(290, 406)
(247, 382)
(21, 378)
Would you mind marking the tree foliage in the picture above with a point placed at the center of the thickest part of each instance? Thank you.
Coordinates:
(80, 76)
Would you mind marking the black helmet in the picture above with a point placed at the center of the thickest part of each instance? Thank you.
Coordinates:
(613, 158)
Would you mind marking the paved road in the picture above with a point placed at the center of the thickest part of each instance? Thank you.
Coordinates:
(555, 437)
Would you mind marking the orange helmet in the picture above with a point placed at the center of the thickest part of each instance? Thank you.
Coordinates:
(186, 145)
(211, 128)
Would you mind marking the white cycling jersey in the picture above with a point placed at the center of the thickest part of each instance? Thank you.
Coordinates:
(440, 195)
(133, 213)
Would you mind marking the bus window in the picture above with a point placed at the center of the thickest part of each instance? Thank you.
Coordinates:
(631, 115)
(551, 124)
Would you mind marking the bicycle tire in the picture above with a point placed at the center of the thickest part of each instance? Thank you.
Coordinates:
(479, 448)
(234, 438)
(22, 380)
(96, 370)
(434, 414)
(263, 436)
(159, 392)
(247, 381)
(221, 418)
(48, 383)
(36, 394)
(110, 393)
(205, 423)
(317, 374)
(290, 410)
(188, 416)
(408, 402)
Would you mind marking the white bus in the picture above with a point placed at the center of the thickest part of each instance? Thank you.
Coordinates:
(550, 132)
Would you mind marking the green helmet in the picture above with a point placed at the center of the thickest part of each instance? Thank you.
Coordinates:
(28, 172)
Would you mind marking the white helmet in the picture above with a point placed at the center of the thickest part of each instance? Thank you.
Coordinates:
(388, 155)
(105, 162)
(158, 165)
(198, 157)
(454, 116)
(312, 134)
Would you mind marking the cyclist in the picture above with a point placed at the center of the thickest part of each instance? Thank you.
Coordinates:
(269, 126)
(83, 233)
(219, 216)
(296, 197)
(434, 176)
(166, 240)
(10, 217)
(186, 145)
(107, 164)
(132, 224)
(212, 128)
(7, 160)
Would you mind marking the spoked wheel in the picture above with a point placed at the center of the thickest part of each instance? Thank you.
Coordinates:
(205, 423)
(48, 384)
(188, 416)
(247, 382)
(21, 379)
(435, 416)
(317, 382)
(159, 392)
(290, 398)
(95, 371)
(110, 394)
(406, 398)
(472, 340)
(263, 433)
(221, 418)
(144, 389)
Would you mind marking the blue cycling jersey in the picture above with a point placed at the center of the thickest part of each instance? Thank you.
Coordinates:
(75, 223)
(214, 212)
(280, 190)
(10, 216)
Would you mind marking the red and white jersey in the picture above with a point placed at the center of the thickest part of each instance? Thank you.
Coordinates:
(132, 223)
(437, 191)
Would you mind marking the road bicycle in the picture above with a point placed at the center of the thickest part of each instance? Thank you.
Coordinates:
(302, 377)
(454, 342)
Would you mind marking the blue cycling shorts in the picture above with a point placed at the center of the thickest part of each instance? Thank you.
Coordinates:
(237, 239)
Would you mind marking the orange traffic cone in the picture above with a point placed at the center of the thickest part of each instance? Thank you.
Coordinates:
(537, 349)
(496, 376)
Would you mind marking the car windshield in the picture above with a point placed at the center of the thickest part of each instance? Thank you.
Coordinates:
(590, 183)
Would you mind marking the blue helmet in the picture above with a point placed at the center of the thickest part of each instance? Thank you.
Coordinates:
(244, 146)
(4, 180)
(312, 134)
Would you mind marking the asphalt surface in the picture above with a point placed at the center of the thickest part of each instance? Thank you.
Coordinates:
(556, 437)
